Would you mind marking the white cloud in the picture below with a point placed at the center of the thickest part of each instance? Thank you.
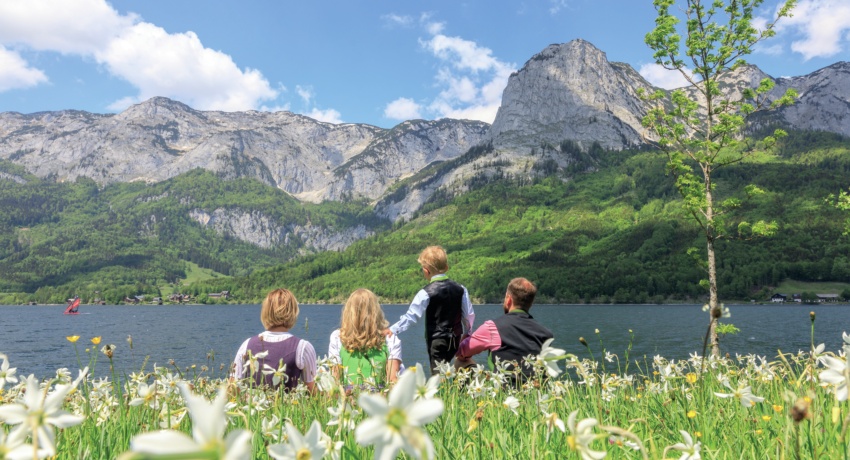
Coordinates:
(403, 109)
(180, 67)
(329, 115)
(820, 28)
(661, 77)
(15, 73)
(155, 62)
(67, 26)
(470, 78)
(305, 93)
(393, 19)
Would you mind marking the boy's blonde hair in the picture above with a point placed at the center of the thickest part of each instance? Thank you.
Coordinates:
(363, 323)
(434, 259)
(280, 308)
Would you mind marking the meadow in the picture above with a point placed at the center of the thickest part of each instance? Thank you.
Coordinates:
(599, 405)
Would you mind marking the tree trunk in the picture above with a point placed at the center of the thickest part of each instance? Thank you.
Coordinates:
(713, 305)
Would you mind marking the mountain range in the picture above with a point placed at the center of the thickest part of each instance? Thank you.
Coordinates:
(565, 103)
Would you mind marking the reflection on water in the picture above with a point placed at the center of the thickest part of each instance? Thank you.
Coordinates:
(34, 336)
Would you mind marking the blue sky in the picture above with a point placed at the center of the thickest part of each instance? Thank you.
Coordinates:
(356, 61)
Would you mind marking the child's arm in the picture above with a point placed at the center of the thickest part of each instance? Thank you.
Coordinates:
(414, 312)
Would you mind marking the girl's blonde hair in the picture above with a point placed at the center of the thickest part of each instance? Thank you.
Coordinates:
(280, 308)
(363, 322)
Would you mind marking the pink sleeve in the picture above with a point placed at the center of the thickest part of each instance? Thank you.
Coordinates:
(484, 338)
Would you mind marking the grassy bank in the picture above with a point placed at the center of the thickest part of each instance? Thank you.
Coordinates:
(788, 406)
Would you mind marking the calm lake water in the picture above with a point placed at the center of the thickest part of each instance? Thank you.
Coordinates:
(34, 336)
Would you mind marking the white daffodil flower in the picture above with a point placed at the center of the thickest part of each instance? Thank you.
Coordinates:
(425, 389)
(689, 449)
(550, 356)
(511, 404)
(148, 395)
(398, 423)
(581, 435)
(278, 375)
(307, 447)
(7, 374)
(37, 412)
(743, 393)
(270, 427)
(12, 447)
(208, 424)
(343, 416)
(836, 375)
(253, 363)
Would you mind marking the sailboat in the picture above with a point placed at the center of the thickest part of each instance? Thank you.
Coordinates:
(73, 307)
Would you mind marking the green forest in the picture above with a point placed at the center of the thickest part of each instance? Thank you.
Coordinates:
(610, 228)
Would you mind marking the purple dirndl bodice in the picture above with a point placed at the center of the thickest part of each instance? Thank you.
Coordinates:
(285, 350)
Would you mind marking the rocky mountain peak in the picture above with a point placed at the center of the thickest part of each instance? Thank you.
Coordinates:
(571, 91)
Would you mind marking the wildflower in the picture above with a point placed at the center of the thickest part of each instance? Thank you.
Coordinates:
(800, 410)
(208, 424)
(835, 375)
(14, 448)
(691, 378)
(398, 424)
(38, 412)
(553, 421)
(170, 418)
(777, 408)
(271, 427)
(306, 447)
(344, 415)
(96, 340)
(692, 413)
(511, 403)
(582, 435)
(7, 374)
(253, 363)
(425, 389)
(278, 375)
(73, 338)
(147, 395)
(108, 350)
(550, 356)
(743, 393)
(689, 449)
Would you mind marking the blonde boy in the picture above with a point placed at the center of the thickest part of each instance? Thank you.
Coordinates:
(445, 304)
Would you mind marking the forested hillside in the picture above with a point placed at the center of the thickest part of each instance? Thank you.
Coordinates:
(63, 239)
(616, 234)
(608, 229)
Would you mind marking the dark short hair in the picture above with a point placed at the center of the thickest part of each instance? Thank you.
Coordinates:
(522, 292)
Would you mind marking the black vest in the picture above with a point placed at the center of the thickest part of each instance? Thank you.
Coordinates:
(521, 336)
(445, 310)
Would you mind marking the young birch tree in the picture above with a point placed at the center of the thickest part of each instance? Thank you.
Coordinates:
(701, 127)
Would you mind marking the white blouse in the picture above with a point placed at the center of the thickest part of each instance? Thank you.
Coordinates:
(393, 346)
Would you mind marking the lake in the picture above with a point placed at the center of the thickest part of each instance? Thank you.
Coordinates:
(34, 336)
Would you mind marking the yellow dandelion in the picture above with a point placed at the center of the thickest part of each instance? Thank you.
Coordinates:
(777, 408)
(692, 413)
(766, 418)
(698, 434)
(72, 338)
(691, 377)
(95, 340)
(758, 431)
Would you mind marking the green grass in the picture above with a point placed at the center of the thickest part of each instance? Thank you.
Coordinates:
(793, 413)
(796, 287)
(194, 274)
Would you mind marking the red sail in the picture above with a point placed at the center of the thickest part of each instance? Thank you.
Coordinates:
(73, 306)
